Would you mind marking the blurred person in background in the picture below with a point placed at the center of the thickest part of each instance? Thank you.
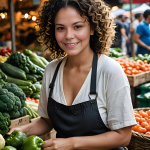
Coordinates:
(133, 27)
(120, 31)
(142, 35)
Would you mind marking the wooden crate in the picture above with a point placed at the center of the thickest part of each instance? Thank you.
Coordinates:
(135, 80)
(20, 121)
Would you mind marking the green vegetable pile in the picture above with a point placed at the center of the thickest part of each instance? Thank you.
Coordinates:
(12, 100)
(19, 140)
(116, 52)
(142, 57)
(24, 69)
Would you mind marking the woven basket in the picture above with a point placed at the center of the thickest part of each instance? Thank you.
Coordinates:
(139, 141)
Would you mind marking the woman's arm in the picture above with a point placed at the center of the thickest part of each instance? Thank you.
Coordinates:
(38, 127)
(105, 141)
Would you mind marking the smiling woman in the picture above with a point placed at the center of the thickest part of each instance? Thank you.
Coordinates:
(97, 14)
(85, 95)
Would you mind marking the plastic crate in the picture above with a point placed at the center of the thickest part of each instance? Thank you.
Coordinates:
(144, 89)
(143, 102)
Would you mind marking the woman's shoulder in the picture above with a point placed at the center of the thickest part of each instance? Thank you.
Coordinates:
(110, 65)
(53, 64)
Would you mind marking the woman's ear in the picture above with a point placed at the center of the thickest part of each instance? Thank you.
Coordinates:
(92, 32)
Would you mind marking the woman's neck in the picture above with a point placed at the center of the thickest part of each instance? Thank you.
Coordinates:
(85, 58)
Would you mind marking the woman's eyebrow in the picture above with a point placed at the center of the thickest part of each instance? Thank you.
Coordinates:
(72, 24)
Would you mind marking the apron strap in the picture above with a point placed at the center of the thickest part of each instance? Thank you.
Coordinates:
(93, 77)
(51, 86)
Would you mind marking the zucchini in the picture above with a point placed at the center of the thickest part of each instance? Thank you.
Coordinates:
(31, 77)
(43, 60)
(13, 71)
(38, 87)
(24, 88)
(18, 81)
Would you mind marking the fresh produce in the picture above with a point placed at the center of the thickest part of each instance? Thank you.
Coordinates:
(23, 62)
(34, 58)
(13, 71)
(2, 142)
(12, 100)
(32, 100)
(3, 78)
(132, 67)
(5, 52)
(143, 122)
(142, 57)
(11, 87)
(33, 143)
(36, 95)
(31, 109)
(43, 60)
(4, 123)
(16, 139)
(2, 59)
(8, 148)
(116, 52)
(147, 95)
(31, 77)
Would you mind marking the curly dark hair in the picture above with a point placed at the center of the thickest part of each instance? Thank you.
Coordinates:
(97, 13)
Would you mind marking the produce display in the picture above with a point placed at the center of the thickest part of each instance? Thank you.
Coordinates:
(5, 51)
(19, 140)
(16, 139)
(4, 123)
(2, 142)
(25, 70)
(12, 101)
(132, 67)
(116, 52)
(143, 122)
(142, 57)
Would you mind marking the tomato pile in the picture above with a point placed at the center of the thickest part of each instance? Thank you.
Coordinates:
(143, 122)
(132, 67)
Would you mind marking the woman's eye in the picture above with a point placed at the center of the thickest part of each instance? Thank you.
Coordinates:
(78, 27)
(60, 28)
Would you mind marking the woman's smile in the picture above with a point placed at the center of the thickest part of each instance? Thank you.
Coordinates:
(71, 45)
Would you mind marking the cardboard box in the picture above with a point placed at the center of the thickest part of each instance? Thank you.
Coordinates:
(53, 134)
(20, 121)
(135, 80)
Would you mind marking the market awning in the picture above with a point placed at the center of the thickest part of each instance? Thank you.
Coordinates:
(136, 1)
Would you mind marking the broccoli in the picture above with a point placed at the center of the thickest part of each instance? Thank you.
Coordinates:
(7, 100)
(11, 87)
(4, 123)
(22, 112)
(9, 103)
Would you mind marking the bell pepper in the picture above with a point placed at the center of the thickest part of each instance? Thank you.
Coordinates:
(32, 143)
(8, 148)
(16, 139)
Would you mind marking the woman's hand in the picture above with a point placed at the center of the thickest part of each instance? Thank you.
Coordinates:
(58, 144)
(14, 129)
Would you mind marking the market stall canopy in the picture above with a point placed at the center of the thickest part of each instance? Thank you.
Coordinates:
(136, 1)
(140, 9)
(118, 12)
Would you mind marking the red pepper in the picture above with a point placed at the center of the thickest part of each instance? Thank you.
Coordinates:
(8, 49)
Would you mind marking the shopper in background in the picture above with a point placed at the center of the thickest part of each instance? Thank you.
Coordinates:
(133, 27)
(85, 94)
(142, 35)
(120, 31)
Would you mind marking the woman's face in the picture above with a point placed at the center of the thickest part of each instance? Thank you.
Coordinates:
(72, 31)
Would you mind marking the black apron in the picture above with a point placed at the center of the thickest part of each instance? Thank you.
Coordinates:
(82, 119)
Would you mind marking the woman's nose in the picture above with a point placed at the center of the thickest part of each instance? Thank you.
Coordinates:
(69, 34)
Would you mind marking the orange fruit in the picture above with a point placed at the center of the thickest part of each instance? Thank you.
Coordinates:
(142, 120)
(147, 133)
(144, 124)
(147, 128)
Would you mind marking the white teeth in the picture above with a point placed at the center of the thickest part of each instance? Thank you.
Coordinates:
(71, 44)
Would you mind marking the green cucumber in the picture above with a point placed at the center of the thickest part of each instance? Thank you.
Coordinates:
(31, 77)
(18, 81)
(13, 71)
(24, 88)
(43, 60)
(38, 87)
